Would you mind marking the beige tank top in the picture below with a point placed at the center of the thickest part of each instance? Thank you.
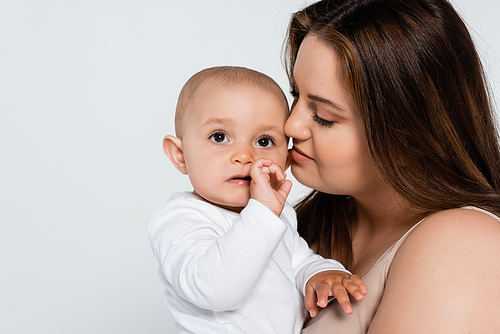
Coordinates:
(333, 319)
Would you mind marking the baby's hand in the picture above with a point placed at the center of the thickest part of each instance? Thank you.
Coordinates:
(269, 185)
(333, 283)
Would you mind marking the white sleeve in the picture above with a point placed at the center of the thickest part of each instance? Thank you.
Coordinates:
(304, 262)
(206, 266)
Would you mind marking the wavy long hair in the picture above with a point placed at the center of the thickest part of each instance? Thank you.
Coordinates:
(416, 78)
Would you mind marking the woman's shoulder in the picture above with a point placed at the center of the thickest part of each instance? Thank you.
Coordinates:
(444, 278)
(453, 237)
(458, 234)
(461, 226)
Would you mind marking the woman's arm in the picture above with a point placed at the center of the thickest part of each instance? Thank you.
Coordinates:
(445, 278)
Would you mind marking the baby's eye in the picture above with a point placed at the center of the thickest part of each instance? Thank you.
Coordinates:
(218, 137)
(265, 141)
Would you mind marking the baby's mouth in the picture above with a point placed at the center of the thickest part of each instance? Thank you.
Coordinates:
(244, 178)
(240, 180)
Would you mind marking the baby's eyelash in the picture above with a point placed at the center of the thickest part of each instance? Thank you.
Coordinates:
(262, 141)
(322, 121)
(218, 136)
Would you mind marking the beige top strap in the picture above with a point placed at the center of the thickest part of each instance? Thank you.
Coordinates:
(333, 319)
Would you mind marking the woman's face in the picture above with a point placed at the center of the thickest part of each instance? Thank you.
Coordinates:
(330, 152)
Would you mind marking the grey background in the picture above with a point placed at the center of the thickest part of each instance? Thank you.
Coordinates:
(87, 92)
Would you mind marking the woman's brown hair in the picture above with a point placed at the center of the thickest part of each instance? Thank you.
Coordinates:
(417, 80)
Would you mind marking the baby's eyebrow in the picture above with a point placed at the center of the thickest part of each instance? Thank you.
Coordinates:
(217, 120)
(272, 128)
(229, 122)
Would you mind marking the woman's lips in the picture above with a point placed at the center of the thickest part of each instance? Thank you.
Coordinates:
(299, 156)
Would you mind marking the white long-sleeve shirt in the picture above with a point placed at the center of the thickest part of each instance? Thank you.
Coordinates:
(227, 272)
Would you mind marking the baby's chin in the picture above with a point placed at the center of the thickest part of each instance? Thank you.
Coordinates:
(236, 209)
(234, 206)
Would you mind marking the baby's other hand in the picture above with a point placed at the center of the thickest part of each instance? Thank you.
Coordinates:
(266, 174)
(334, 283)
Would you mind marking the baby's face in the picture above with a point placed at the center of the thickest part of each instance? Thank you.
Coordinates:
(226, 129)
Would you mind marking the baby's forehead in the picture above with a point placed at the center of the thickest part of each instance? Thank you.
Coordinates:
(218, 86)
(212, 82)
(214, 89)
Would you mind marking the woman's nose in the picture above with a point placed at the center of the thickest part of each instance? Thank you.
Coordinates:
(242, 154)
(296, 124)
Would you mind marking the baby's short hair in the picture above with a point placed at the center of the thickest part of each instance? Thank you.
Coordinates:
(228, 75)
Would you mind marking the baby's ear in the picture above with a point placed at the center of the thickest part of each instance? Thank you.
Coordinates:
(172, 146)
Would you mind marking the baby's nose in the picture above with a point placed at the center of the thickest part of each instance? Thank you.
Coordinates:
(242, 155)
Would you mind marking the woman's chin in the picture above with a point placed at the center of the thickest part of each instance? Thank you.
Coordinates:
(302, 175)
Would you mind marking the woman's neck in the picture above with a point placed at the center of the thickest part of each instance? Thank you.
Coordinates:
(381, 211)
(382, 219)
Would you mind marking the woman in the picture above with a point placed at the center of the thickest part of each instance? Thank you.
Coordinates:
(392, 127)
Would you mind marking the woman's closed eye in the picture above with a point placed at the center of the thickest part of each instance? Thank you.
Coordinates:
(315, 117)
(218, 137)
(265, 141)
(322, 121)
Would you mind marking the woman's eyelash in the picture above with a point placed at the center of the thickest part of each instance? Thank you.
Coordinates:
(294, 93)
(322, 121)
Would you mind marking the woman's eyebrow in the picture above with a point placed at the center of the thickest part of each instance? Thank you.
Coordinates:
(325, 101)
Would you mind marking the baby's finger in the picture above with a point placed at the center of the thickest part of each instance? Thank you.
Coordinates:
(354, 291)
(277, 171)
(356, 287)
(266, 170)
(323, 292)
(360, 283)
(262, 162)
(340, 293)
(311, 301)
(285, 188)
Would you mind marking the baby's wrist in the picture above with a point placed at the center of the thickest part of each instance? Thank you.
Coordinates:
(274, 206)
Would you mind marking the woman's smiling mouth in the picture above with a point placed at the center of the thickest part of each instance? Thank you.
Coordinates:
(299, 156)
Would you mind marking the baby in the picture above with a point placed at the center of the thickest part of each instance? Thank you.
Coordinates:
(230, 256)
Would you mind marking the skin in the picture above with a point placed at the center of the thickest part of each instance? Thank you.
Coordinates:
(444, 278)
(226, 129)
(235, 132)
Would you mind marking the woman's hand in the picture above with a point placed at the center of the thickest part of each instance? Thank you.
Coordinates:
(333, 283)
